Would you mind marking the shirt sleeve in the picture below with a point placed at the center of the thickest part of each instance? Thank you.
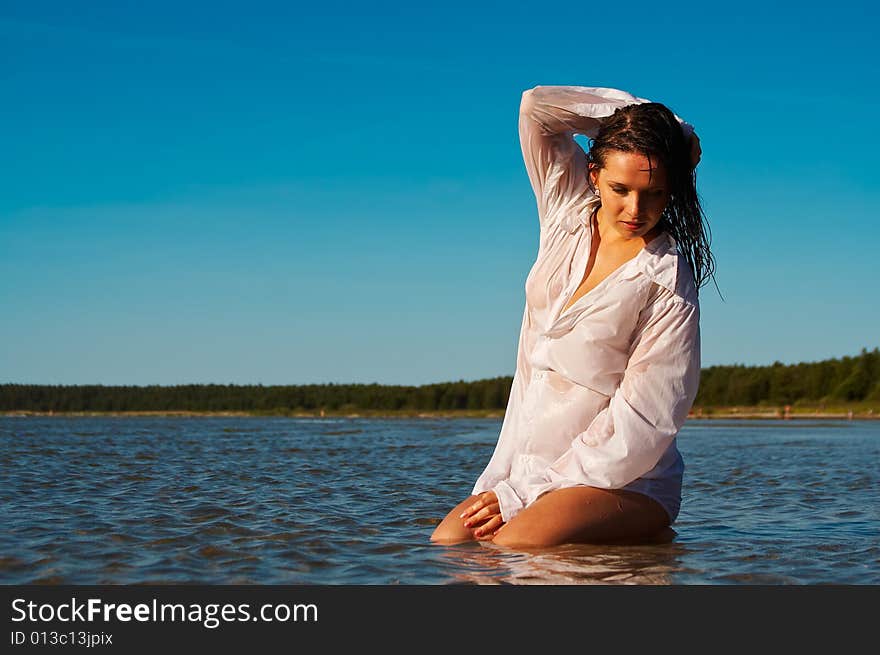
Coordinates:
(629, 436)
(498, 468)
(549, 117)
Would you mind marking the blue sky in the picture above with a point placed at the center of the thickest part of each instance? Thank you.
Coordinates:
(245, 193)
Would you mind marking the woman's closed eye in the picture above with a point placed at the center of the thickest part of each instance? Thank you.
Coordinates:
(622, 191)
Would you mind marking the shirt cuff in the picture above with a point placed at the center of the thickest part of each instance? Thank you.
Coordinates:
(508, 501)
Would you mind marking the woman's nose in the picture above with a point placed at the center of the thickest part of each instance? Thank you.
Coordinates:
(636, 204)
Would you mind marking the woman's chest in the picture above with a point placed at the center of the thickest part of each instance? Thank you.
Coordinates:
(592, 343)
(601, 264)
(553, 272)
(572, 282)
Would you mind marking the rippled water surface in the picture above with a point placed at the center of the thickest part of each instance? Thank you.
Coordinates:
(353, 501)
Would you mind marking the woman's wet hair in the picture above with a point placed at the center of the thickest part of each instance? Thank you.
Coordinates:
(651, 129)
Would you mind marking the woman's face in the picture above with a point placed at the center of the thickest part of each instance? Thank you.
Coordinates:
(633, 196)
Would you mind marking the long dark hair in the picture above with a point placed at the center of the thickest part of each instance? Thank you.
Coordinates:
(652, 130)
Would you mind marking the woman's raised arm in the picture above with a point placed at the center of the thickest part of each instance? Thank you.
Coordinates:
(549, 117)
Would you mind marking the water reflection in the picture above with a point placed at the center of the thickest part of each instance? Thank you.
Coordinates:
(570, 564)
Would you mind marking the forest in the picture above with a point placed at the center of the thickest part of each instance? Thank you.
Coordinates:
(846, 380)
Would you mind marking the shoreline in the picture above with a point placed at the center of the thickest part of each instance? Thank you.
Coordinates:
(700, 415)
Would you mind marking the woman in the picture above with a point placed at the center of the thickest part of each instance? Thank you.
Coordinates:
(608, 362)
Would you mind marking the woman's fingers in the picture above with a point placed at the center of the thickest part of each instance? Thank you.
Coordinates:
(483, 500)
(477, 506)
(482, 514)
(488, 530)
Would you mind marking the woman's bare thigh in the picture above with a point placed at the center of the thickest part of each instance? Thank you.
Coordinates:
(584, 515)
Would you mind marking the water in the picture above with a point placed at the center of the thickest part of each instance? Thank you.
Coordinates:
(220, 500)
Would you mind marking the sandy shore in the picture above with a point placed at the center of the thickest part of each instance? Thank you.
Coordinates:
(703, 414)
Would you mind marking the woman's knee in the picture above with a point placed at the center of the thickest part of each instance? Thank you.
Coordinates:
(448, 534)
(451, 529)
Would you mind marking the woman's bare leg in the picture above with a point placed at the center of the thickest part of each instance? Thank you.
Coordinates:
(584, 515)
(451, 529)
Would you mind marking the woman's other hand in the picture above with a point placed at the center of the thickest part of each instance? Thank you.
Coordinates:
(483, 517)
(696, 151)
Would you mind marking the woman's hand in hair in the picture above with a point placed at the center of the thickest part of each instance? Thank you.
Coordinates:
(696, 151)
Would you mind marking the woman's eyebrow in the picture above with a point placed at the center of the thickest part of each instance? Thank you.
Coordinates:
(623, 186)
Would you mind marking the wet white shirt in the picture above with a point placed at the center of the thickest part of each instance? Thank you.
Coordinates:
(601, 389)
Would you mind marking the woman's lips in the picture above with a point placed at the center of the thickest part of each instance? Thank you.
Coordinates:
(632, 225)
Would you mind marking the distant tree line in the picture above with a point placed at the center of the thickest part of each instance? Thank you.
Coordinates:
(845, 379)
(482, 394)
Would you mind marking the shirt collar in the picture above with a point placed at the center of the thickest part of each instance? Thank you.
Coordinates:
(658, 260)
